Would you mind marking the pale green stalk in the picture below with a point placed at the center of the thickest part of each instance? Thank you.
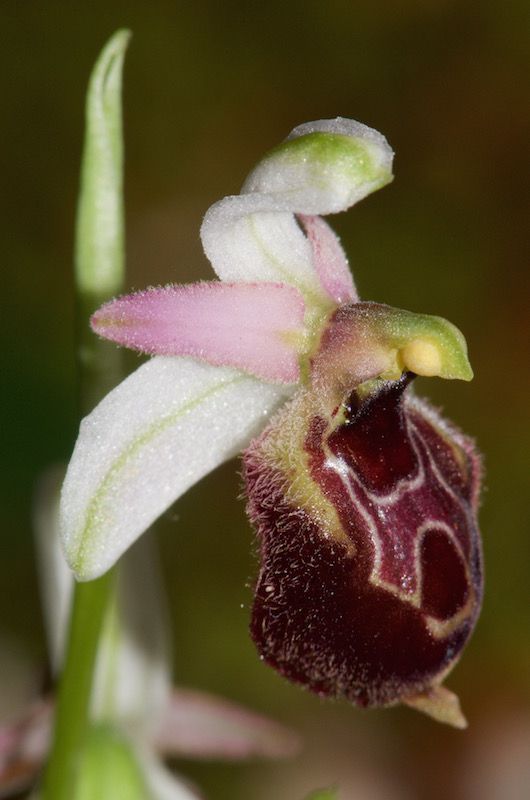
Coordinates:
(99, 272)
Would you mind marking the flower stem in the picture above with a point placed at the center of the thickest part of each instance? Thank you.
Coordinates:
(99, 271)
(88, 610)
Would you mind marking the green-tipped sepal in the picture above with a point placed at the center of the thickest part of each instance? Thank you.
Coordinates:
(325, 166)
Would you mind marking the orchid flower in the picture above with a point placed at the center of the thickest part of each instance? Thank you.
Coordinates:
(137, 718)
(363, 497)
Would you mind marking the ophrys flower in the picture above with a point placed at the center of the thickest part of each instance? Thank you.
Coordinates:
(364, 498)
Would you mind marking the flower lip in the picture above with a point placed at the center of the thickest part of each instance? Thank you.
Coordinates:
(399, 560)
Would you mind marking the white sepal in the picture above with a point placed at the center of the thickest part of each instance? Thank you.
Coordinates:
(55, 578)
(160, 431)
(132, 681)
(162, 784)
(255, 237)
(322, 168)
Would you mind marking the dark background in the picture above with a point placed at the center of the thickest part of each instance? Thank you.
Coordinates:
(209, 87)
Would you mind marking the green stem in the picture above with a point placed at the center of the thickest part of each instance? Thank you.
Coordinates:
(99, 271)
(73, 701)
(101, 365)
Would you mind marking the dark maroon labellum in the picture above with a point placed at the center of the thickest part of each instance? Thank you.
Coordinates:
(381, 612)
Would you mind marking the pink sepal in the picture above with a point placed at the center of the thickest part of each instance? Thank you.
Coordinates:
(249, 326)
(23, 747)
(329, 260)
(193, 725)
(199, 725)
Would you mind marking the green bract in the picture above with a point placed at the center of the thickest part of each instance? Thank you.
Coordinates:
(99, 240)
(109, 768)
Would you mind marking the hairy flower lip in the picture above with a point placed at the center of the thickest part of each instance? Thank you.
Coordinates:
(291, 626)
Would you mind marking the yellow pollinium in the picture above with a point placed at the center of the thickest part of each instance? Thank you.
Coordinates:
(422, 357)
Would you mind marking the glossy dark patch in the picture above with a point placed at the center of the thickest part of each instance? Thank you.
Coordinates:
(444, 581)
(375, 441)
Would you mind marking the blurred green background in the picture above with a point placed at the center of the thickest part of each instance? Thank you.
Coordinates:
(209, 87)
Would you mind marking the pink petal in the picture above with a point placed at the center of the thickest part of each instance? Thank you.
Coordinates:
(197, 725)
(250, 326)
(23, 748)
(329, 259)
